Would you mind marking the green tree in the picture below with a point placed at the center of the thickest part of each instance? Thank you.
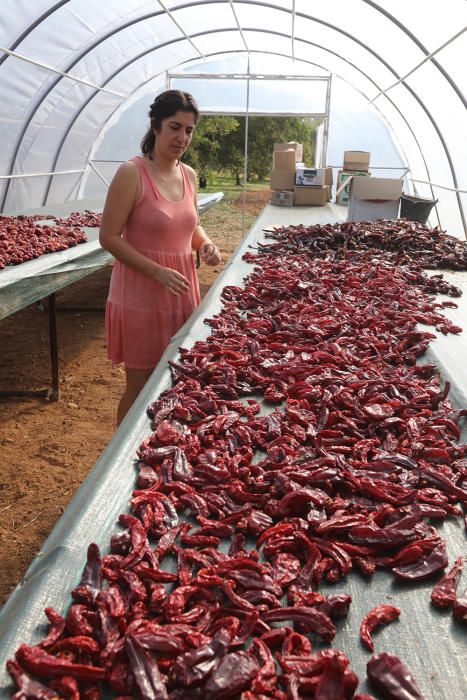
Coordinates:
(219, 143)
(264, 132)
(209, 136)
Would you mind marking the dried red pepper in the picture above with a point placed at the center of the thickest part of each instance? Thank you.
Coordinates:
(459, 609)
(359, 455)
(391, 677)
(377, 616)
(443, 594)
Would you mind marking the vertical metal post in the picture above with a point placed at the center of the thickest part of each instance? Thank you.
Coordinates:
(54, 391)
(324, 148)
(245, 168)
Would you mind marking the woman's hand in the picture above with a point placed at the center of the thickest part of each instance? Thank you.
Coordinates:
(172, 280)
(210, 254)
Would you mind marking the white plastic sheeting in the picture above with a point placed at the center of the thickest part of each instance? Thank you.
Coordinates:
(68, 68)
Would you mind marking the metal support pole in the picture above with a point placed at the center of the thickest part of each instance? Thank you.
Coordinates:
(93, 167)
(54, 391)
(245, 168)
(324, 148)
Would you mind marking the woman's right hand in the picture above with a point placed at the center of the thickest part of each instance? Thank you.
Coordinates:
(172, 280)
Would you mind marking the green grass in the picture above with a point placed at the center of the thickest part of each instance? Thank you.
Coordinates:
(226, 184)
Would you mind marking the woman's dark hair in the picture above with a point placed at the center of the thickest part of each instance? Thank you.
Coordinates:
(166, 105)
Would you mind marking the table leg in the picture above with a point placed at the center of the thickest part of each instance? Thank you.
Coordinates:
(54, 391)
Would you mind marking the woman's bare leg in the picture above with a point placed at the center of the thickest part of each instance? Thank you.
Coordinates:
(135, 380)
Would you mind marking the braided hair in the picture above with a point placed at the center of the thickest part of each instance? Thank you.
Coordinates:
(166, 105)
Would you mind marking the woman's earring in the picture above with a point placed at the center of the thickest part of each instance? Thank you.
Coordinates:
(178, 162)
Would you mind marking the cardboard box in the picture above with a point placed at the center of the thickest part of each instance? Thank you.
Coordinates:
(283, 160)
(311, 196)
(309, 176)
(343, 196)
(374, 198)
(356, 160)
(282, 198)
(298, 148)
(282, 179)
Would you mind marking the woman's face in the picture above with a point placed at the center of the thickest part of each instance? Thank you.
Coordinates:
(175, 134)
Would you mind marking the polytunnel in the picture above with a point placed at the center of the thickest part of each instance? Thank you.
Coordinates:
(68, 71)
(385, 77)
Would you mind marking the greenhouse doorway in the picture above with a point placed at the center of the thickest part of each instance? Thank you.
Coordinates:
(251, 99)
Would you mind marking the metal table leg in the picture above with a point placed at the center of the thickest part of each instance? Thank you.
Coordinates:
(53, 392)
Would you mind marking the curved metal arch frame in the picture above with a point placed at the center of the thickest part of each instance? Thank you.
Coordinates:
(334, 28)
(185, 5)
(32, 26)
(55, 82)
(82, 54)
(83, 106)
(293, 12)
(422, 48)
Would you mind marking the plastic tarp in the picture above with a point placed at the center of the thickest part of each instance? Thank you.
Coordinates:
(69, 68)
(427, 640)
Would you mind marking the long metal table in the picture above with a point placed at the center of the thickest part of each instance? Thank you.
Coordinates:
(22, 285)
(431, 644)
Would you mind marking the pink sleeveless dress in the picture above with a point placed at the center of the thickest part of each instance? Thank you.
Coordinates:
(141, 315)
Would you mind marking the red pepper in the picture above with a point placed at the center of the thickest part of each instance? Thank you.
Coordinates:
(390, 676)
(27, 686)
(56, 629)
(459, 609)
(38, 661)
(373, 619)
(443, 594)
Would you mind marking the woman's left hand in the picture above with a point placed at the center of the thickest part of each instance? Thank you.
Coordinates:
(210, 254)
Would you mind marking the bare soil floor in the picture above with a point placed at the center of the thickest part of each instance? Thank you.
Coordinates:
(47, 449)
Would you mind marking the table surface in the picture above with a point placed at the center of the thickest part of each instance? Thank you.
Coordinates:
(21, 285)
(426, 639)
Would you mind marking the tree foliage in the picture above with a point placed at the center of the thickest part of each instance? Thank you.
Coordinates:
(219, 143)
(204, 154)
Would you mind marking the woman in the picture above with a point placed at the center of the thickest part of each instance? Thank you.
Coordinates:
(150, 224)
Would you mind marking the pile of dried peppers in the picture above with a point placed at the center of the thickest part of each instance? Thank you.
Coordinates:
(400, 240)
(22, 239)
(358, 455)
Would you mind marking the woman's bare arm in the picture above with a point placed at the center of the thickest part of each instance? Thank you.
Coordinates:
(200, 241)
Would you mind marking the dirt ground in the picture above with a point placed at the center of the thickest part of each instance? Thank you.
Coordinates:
(47, 449)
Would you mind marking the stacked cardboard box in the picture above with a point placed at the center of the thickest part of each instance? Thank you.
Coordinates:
(374, 198)
(284, 159)
(356, 160)
(282, 198)
(356, 164)
(310, 195)
(309, 176)
(313, 186)
(309, 188)
(292, 183)
(298, 148)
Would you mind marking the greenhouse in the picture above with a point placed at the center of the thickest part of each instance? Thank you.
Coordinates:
(280, 512)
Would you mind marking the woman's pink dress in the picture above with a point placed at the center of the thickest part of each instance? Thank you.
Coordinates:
(141, 315)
